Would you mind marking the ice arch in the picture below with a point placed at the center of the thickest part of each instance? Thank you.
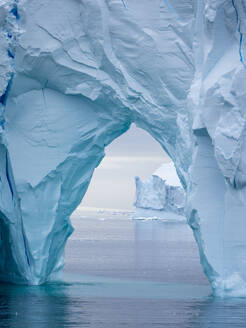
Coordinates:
(75, 74)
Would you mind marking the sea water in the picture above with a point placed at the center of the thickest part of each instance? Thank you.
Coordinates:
(123, 272)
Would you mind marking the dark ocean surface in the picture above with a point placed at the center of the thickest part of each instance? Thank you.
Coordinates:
(121, 272)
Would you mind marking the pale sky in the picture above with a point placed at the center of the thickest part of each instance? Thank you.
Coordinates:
(135, 153)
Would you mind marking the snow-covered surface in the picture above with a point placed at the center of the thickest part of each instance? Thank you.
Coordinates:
(76, 74)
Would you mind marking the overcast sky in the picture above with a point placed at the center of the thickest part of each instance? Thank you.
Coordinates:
(135, 153)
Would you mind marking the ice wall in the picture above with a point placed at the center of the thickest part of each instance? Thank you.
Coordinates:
(75, 75)
(157, 192)
(217, 174)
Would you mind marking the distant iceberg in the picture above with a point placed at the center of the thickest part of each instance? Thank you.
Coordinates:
(161, 195)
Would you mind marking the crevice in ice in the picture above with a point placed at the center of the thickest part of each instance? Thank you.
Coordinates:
(10, 54)
(49, 33)
(123, 1)
(14, 11)
(4, 96)
(240, 34)
(25, 243)
(15, 255)
(172, 10)
(8, 177)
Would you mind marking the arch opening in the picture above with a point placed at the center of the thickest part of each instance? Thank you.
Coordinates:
(107, 243)
(135, 153)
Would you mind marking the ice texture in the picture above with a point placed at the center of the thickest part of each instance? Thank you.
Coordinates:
(157, 194)
(75, 75)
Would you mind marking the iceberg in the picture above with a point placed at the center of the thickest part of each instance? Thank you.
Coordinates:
(76, 74)
(157, 193)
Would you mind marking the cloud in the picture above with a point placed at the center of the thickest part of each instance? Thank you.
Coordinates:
(135, 142)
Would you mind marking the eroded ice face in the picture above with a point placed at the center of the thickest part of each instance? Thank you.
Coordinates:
(83, 72)
(82, 75)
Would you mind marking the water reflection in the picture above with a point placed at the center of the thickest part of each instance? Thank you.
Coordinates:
(166, 251)
(218, 313)
(157, 230)
(39, 306)
(62, 305)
